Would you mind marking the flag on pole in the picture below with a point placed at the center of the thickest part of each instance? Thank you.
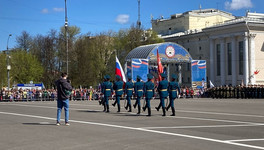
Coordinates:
(160, 68)
(119, 71)
(211, 84)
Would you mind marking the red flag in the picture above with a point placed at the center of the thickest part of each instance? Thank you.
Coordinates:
(160, 68)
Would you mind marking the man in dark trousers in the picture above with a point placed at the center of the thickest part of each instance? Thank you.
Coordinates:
(163, 92)
(63, 92)
(118, 87)
(149, 93)
(173, 87)
(129, 92)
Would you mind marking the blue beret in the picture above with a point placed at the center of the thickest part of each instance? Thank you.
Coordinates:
(118, 77)
(150, 76)
(129, 77)
(138, 77)
(174, 76)
(107, 77)
(163, 75)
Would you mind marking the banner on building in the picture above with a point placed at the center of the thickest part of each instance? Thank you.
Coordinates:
(140, 68)
(198, 73)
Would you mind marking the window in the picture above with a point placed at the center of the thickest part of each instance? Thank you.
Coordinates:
(241, 57)
(218, 64)
(200, 48)
(188, 49)
(229, 58)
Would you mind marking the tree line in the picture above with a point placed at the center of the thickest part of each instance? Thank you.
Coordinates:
(42, 58)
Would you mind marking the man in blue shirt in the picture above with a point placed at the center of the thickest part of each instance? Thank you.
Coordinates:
(173, 87)
(163, 92)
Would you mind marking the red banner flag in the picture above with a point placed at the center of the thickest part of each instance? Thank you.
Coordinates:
(160, 68)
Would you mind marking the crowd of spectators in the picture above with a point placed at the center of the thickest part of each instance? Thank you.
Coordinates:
(95, 94)
(46, 94)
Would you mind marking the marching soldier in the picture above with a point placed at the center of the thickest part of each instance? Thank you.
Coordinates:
(118, 87)
(107, 90)
(138, 88)
(129, 92)
(149, 93)
(173, 87)
(163, 92)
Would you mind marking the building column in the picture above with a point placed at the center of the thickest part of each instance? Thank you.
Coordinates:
(234, 62)
(212, 60)
(223, 61)
(246, 72)
(180, 74)
(252, 66)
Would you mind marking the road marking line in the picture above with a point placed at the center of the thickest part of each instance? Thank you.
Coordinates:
(141, 129)
(245, 140)
(217, 120)
(211, 126)
(216, 113)
(192, 118)
(188, 111)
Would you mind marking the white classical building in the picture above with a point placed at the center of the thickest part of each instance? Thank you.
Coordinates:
(232, 46)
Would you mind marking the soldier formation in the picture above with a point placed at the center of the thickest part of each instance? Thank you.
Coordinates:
(140, 89)
(239, 92)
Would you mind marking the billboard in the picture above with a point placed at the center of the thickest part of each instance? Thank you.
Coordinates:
(140, 68)
(198, 73)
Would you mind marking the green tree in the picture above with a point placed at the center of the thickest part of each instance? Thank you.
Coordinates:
(3, 70)
(25, 67)
(24, 41)
(73, 31)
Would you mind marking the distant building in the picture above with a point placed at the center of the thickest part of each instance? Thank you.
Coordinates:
(232, 46)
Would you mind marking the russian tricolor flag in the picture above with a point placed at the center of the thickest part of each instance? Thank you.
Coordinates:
(119, 71)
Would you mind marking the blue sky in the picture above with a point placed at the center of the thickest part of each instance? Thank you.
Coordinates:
(95, 16)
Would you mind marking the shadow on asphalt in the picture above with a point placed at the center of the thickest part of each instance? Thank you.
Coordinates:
(40, 124)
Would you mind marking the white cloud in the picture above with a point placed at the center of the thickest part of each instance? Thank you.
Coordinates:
(238, 4)
(58, 9)
(122, 19)
(45, 11)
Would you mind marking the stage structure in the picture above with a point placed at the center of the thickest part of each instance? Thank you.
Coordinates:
(199, 73)
(143, 60)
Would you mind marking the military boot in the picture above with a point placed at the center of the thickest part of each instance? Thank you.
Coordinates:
(158, 107)
(149, 112)
(114, 104)
(138, 110)
(173, 111)
(164, 111)
(144, 108)
(107, 108)
(104, 107)
(118, 107)
(129, 108)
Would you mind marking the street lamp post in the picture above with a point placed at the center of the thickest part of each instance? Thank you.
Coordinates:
(8, 65)
(66, 34)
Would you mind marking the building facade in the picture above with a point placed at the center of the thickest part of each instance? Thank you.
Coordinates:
(233, 49)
